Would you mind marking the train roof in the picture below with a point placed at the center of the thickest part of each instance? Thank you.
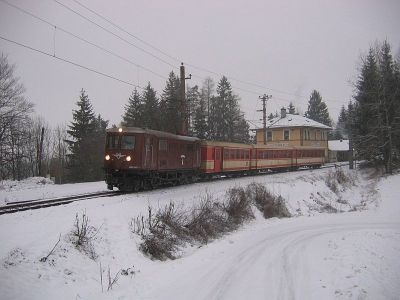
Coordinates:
(226, 144)
(156, 133)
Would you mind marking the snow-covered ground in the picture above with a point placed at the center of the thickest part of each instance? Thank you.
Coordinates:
(315, 255)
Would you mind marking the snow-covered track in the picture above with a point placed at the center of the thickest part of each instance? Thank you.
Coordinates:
(36, 204)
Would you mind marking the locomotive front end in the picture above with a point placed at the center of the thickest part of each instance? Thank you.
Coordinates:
(121, 156)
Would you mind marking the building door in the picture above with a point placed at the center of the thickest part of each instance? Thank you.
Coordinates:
(217, 159)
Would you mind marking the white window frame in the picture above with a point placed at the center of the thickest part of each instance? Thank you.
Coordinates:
(288, 130)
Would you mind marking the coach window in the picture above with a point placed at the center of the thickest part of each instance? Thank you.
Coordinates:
(163, 145)
(286, 134)
(232, 154)
(247, 154)
(189, 147)
(128, 142)
(269, 136)
(226, 153)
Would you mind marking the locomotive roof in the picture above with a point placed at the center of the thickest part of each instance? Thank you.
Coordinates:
(159, 134)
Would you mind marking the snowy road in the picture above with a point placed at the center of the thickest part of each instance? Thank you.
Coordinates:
(286, 262)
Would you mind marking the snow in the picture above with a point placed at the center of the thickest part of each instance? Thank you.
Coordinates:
(291, 120)
(37, 188)
(314, 255)
(338, 145)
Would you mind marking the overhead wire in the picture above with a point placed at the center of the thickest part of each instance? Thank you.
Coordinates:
(82, 39)
(145, 51)
(70, 62)
(177, 60)
(115, 35)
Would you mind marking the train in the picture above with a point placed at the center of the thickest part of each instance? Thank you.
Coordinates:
(142, 159)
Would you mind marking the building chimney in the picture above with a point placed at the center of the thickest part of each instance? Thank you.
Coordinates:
(283, 112)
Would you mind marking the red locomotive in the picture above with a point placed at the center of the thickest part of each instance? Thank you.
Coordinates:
(138, 158)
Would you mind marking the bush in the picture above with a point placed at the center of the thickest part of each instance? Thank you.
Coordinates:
(269, 204)
(238, 205)
(338, 178)
(169, 228)
(83, 235)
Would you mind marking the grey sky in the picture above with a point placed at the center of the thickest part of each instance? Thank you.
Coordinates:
(285, 46)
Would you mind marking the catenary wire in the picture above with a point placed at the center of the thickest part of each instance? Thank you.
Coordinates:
(176, 59)
(82, 39)
(115, 35)
(70, 62)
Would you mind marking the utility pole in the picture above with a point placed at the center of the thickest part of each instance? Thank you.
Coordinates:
(184, 110)
(264, 98)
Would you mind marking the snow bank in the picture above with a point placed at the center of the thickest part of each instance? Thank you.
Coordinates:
(302, 257)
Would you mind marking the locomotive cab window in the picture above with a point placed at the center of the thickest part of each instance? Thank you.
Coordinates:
(127, 142)
(112, 141)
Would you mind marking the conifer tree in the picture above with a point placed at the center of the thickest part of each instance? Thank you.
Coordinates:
(317, 109)
(81, 130)
(291, 108)
(193, 102)
(170, 105)
(270, 116)
(133, 111)
(200, 127)
(151, 109)
(226, 121)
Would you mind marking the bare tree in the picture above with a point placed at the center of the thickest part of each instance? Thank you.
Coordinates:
(14, 113)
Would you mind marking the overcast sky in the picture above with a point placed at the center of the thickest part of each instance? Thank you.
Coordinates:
(283, 48)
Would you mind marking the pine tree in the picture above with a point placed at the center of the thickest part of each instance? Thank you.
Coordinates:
(200, 127)
(170, 105)
(291, 108)
(133, 111)
(270, 116)
(82, 130)
(193, 102)
(317, 109)
(226, 121)
(341, 130)
(151, 109)
(98, 139)
(207, 93)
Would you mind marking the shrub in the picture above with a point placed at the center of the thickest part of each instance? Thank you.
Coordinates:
(338, 178)
(269, 204)
(83, 235)
(207, 220)
(238, 205)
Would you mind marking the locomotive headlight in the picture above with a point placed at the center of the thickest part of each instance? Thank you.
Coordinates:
(119, 129)
(128, 158)
(107, 157)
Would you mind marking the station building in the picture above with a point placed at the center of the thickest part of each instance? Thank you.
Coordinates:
(293, 130)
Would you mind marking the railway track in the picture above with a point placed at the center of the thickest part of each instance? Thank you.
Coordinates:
(17, 206)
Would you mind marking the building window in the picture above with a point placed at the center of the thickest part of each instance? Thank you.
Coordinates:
(269, 136)
(306, 134)
(286, 134)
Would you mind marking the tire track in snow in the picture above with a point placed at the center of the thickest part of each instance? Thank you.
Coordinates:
(278, 257)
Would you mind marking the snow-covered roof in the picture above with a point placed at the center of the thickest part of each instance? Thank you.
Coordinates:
(294, 121)
(338, 145)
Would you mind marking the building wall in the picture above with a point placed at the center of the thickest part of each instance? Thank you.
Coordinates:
(296, 137)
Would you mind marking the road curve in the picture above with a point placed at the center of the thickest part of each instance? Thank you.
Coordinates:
(264, 263)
